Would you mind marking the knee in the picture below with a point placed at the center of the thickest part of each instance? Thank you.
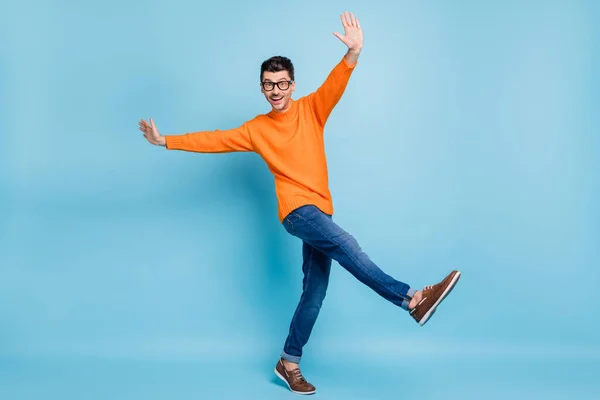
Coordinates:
(315, 296)
(348, 243)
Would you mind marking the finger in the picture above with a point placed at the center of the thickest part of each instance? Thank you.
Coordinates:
(348, 21)
(338, 36)
(357, 23)
(352, 19)
(344, 24)
(152, 122)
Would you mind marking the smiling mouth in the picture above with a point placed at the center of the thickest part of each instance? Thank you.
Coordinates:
(276, 98)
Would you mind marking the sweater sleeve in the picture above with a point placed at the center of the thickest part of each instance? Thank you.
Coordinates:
(216, 141)
(325, 98)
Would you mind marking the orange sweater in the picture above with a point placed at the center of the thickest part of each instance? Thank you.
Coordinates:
(291, 143)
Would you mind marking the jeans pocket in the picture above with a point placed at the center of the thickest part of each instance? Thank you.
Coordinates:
(289, 225)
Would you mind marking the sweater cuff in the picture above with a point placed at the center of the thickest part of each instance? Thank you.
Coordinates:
(173, 142)
(348, 64)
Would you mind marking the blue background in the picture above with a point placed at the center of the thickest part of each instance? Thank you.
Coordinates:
(467, 138)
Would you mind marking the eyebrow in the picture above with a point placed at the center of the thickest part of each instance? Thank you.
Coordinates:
(281, 80)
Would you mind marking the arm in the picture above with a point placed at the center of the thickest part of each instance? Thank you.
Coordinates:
(217, 141)
(325, 98)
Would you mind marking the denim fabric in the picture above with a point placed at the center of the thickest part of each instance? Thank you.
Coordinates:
(324, 241)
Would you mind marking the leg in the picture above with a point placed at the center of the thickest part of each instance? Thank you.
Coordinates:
(318, 229)
(316, 267)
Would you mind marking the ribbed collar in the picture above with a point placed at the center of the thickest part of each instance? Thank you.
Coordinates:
(288, 115)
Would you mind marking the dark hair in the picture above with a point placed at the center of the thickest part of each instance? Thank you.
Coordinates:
(276, 64)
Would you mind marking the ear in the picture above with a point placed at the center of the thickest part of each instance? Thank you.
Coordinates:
(293, 86)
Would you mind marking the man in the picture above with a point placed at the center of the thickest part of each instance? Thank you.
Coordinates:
(289, 138)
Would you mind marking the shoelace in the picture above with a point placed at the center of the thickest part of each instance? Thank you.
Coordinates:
(298, 375)
(429, 287)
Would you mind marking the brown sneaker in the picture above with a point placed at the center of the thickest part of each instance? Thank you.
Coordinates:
(432, 297)
(294, 379)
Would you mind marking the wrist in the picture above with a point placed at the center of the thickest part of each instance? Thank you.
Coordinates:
(352, 55)
(161, 141)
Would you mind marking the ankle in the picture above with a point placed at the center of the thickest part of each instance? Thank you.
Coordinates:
(415, 300)
(290, 366)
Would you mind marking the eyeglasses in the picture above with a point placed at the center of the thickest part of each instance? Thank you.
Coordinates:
(282, 85)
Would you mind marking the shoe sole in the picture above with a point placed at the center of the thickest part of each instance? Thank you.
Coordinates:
(449, 288)
(288, 385)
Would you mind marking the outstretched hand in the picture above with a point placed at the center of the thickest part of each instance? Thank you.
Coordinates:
(151, 133)
(353, 35)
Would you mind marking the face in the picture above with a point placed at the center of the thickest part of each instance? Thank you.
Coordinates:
(278, 98)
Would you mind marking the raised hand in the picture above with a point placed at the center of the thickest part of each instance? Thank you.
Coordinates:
(151, 133)
(353, 35)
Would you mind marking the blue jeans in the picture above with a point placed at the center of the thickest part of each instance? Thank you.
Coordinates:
(324, 241)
